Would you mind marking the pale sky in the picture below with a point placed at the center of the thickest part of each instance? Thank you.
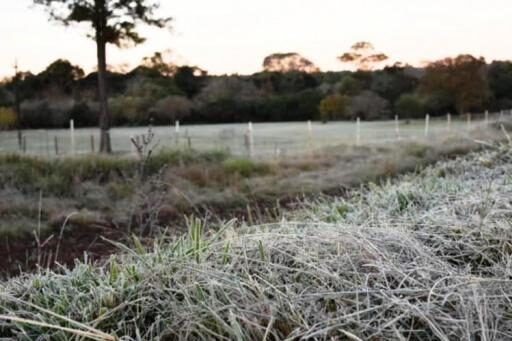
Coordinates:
(233, 36)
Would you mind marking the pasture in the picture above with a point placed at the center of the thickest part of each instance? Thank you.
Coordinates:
(268, 139)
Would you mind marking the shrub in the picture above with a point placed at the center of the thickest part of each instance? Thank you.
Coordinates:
(7, 118)
(170, 109)
(411, 106)
(370, 106)
(334, 107)
(245, 167)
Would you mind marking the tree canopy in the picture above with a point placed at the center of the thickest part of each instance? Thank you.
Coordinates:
(112, 21)
(288, 62)
(463, 79)
(363, 56)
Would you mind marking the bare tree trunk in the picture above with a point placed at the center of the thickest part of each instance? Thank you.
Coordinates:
(105, 145)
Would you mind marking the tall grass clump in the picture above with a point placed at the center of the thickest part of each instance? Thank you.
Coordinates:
(427, 257)
(32, 174)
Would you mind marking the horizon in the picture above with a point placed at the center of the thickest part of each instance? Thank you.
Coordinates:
(236, 37)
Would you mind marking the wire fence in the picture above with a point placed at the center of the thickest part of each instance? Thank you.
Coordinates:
(258, 140)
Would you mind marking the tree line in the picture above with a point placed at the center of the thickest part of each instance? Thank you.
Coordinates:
(162, 93)
(290, 87)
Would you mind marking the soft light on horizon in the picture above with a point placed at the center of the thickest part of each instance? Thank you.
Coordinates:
(230, 36)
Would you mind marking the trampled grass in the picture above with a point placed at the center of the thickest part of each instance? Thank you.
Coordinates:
(425, 257)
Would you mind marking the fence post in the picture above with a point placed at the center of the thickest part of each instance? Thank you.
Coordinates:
(449, 121)
(72, 133)
(177, 131)
(47, 143)
(56, 144)
(92, 143)
(397, 127)
(24, 143)
(277, 152)
(487, 117)
(310, 137)
(468, 121)
(427, 124)
(250, 139)
(358, 131)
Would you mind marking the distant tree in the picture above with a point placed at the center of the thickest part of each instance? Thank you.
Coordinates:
(60, 76)
(160, 61)
(288, 62)
(391, 82)
(189, 79)
(113, 22)
(350, 86)
(334, 107)
(369, 106)
(363, 56)
(411, 105)
(6, 97)
(500, 82)
(171, 108)
(7, 118)
(462, 79)
(224, 87)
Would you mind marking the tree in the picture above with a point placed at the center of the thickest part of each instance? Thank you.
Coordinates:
(171, 108)
(288, 62)
(363, 55)
(60, 77)
(334, 107)
(161, 62)
(189, 79)
(369, 106)
(462, 79)
(112, 22)
(500, 81)
(391, 82)
(350, 86)
(411, 105)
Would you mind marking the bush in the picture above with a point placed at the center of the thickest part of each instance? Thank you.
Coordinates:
(42, 113)
(369, 106)
(84, 114)
(411, 106)
(130, 110)
(245, 167)
(334, 107)
(170, 109)
(7, 118)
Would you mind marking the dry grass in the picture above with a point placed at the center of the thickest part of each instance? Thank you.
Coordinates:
(427, 257)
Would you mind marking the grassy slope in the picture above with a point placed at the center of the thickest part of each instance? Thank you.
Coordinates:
(426, 257)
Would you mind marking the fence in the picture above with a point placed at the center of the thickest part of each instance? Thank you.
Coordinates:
(261, 140)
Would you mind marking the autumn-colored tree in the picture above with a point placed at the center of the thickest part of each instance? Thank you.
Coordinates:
(112, 22)
(363, 56)
(288, 62)
(463, 79)
(334, 107)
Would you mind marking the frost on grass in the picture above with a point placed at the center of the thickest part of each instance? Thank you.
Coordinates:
(424, 258)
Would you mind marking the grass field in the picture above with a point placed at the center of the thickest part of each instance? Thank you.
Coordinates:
(424, 257)
(70, 203)
(290, 138)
